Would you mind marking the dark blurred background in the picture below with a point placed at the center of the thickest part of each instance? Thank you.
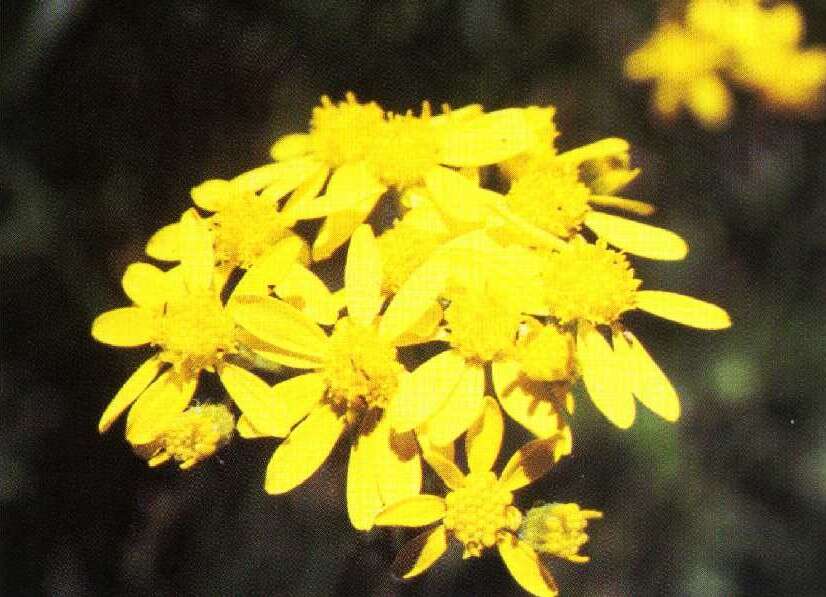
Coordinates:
(112, 111)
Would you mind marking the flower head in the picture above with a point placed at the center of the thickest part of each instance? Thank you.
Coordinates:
(194, 435)
(558, 530)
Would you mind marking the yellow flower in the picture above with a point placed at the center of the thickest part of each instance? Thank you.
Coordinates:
(558, 530)
(590, 285)
(355, 377)
(181, 313)
(478, 510)
(684, 69)
(391, 151)
(193, 436)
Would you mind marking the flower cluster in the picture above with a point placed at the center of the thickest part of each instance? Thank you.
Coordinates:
(741, 41)
(484, 272)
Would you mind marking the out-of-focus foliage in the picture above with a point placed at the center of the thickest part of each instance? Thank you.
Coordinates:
(110, 115)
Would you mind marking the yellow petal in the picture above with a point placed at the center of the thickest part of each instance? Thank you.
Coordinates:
(607, 382)
(197, 257)
(362, 276)
(416, 297)
(458, 198)
(649, 383)
(398, 463)
(488, 139)
(637, 238)
(246, 430)
(165, 244)
(636, 207)
(255, 398)
(422, 392)
(161, 402)
(446, 469)
(462, 407)
(683, 309)
(304, 290)
(271, 268)
(291, 146)
(526, 567)
(257, 349)
(304, 451)
(127, 326)
(335, 231)
(211, 194)
(295, 397)
(420, 553)
(280, 178)
(145, 284)
(484, 438)
(309, 189)
(710, 101)
(530, 462)
(415, 511)
(532, 404)
(598, 150)
(129, 392)
(363, 499)
(280, 324)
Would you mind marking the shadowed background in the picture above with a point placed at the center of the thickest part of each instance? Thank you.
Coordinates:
(111, 114)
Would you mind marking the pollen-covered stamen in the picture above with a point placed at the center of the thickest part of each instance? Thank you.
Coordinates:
(480, 512)
(552, 198)
(361, 370)
(194, 332)
(342, 133)
(245, 228)
(195, 435)
(558, 530)
(545, 353)
(482, 326)
(588, 282)
(405, 149)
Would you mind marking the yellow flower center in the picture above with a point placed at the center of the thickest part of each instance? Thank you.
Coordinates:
(552, 198)
(245, 228)
(405, 149)
(588, 282)
(478, 513)
(558, 529)
(361, 370)
(482, 326)
(545, 354)
(341, 133)
(195, 435)
(194, 332)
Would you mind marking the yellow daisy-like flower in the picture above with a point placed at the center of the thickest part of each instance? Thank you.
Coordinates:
(590, 285)
(390, 151)
(355, 377)
(684, 68)
(181, 313)
(478, 510)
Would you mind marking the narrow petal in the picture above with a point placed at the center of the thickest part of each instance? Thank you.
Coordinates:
(255, 398)
(309, 189)
(488, 139)
(280, 324)
(649, 383)
(463, 406)
(640, 208)
(484, 438)
(683, 309)
(598, 150)
(362, 276)
(165, 244)
(246, 430)
(291, 146)
(210, 195)
(399, 464)
(422, 392)
(269, 356)
(526, 568)
(416, 297)
(271, 268)
(420, 553)
(304, 290)
(127, 326)
(282, 178)
(532, 404)
(458, 198)
(295, 397)
(446, 469)
(607, 382)
(530, 462)
(162, 401)
(197, 257)
(415, 511)
(351, 188)
(129, 392)
(637, 238)
(363, 498)
(304, 451)
(335, 231)
(145, 284)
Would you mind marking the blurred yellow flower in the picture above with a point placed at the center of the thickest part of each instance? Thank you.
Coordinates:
(193, 436)
(558, 530)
